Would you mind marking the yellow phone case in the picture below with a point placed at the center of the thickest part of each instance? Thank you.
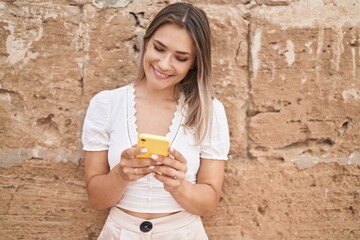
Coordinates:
(155, 145)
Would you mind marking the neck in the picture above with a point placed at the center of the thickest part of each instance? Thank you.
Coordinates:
(169, 94)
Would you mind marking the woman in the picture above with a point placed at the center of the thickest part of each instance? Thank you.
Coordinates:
(160, 197)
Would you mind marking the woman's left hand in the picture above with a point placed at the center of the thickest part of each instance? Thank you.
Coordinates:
(170, 170)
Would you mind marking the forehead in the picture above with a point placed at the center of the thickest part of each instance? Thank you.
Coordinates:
(174, 37)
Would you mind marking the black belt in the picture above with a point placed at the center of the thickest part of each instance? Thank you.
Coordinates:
(146, 226)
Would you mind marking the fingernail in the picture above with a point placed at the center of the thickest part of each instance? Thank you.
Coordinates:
(143, 150)
(172, 149)
(151, 167)
(158, 163)
(154, 156)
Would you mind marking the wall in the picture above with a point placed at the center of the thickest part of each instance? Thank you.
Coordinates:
(287, 72)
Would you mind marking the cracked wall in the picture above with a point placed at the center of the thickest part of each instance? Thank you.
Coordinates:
(287, 72)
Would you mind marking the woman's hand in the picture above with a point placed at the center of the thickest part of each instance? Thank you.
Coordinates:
(131, 168)
(171, 170)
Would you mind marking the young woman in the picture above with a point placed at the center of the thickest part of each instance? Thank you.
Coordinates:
(160, 197)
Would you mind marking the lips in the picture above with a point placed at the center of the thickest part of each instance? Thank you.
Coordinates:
(159, 74)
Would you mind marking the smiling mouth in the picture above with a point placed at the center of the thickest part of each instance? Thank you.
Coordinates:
(159, 74)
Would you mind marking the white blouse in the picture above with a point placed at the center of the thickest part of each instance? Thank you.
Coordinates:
(110, 125)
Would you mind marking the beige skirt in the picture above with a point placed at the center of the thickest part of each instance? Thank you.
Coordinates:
(179, 226)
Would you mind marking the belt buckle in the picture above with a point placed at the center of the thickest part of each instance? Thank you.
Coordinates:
(146, 226)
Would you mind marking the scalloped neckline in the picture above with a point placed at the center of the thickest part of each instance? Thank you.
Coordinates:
(131, 117)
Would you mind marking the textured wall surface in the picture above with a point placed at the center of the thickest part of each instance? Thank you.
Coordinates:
(287, 71)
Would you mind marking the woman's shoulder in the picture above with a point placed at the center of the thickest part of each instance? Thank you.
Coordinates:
(219, 112)
(112, 95)
(217, 105)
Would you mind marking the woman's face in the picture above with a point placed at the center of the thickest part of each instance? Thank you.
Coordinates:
(169, 55)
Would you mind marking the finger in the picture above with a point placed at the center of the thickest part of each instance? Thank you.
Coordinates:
(169, 182)
(157, 160)
(133, 174)
(132, 152)
(141, 171)
(136, 163)
(176, 174)
(169, 172)
(179, 165)
(130, 171)
(177, 155)
(176, 165)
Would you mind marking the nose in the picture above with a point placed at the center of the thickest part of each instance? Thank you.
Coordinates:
(165, 62)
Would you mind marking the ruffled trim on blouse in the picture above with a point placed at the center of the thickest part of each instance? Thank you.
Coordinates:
(174, 127)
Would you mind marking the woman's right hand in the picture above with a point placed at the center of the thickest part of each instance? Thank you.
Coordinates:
(131, 168)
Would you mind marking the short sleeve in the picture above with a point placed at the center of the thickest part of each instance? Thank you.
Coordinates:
(95, 134)
(216, 145)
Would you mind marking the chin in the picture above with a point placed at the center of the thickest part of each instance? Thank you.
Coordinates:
(159, 85)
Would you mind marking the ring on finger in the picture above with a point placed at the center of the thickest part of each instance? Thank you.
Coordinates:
(135, 170)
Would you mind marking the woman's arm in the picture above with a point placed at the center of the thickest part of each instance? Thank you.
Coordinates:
(105, 187)
(201, 198)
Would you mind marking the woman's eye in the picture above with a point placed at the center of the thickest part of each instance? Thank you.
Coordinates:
(181, 59)
(158, 49)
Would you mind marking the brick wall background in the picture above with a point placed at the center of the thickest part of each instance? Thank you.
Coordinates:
(287, 71)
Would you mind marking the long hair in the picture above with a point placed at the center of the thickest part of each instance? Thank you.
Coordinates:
(196, 85)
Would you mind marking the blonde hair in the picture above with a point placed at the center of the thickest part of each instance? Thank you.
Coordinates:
(196, 85)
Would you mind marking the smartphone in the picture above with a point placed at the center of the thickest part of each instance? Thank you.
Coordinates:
(155, 144)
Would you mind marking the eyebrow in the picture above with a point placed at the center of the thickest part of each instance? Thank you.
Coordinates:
(180, 52)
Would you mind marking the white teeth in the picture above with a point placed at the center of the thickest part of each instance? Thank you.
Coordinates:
(160, 75)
